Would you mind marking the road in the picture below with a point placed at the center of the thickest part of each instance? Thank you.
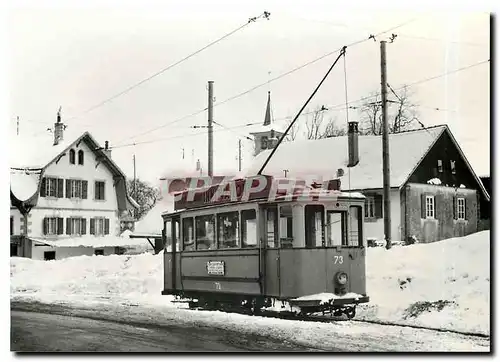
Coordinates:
(119, 326)
(43, 332)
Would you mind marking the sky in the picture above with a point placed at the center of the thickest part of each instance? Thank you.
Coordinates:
(78, 54)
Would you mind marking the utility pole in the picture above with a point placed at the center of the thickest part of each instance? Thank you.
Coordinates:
(135, 189)
(239, 154)
(210, 128)
(385, 148)
(18, 125)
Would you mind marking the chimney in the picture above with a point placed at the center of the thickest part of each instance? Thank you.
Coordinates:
(58, 129)
(352, 142)
(107, 150)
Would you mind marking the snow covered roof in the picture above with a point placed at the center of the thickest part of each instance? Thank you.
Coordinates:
(29, 152)
(89, 241)
(24, 184)
(322, 158)
(37, 151)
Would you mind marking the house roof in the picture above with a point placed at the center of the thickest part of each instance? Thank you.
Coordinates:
(35, 153)
(322, 158)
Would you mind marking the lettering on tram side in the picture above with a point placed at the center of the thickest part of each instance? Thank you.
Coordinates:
(216, 267)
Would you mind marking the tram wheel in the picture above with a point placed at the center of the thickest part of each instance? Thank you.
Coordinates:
(351, 313)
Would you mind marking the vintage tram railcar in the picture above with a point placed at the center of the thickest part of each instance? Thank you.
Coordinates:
(286, 248)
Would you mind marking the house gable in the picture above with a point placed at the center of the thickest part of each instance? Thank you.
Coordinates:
(437, 163)
(53, 156)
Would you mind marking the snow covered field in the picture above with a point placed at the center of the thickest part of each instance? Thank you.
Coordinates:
(443, 284)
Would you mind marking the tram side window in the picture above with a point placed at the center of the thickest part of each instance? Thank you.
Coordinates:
(229, 230)
(335, 228)
(188, 234)
(272, 227)
(205, 232)
(286, 226)
(355, 226)
(248, 228)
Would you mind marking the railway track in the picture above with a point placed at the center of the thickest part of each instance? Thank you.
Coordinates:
(330, 319)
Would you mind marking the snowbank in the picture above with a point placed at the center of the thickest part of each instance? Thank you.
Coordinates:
(113, 275)
(443, 285)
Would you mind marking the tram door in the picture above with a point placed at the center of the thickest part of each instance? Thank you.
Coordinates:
(270, 237)
(172, 244)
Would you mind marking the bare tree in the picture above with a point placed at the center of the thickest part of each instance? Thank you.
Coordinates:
(292, 134)
(316, 127)
(146, 195)
(402, 112)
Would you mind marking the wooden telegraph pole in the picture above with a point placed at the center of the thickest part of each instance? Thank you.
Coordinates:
(385, 148)
(210, 128)
(239, 155)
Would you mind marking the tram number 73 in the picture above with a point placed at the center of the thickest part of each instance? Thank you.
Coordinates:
(338, 259)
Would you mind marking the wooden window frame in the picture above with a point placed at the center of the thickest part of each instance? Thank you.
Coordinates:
(461, 211)
(430, 207)
(96, 188)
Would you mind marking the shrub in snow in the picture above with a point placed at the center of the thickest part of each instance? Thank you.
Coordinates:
(417, 308)
(411, 240)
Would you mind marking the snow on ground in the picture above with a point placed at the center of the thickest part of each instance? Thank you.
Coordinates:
(421, 279)
(443, 284)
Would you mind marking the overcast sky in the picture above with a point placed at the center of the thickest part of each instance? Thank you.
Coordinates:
(77, 57)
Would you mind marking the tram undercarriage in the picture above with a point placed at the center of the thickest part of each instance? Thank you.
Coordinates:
(258, 305)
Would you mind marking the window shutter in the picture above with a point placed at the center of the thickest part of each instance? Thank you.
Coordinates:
(45, 226)
(422, 206)
(68, 189)
(465, 208)
(103, 191)
(60, 187)
(60, 226)
(42, 187)
(96, 190)
(455, 210)
(378, 206)
(92, 227)
(84, 189)
(68, 226)
(435, 207)
(84, 226)
(106, 226)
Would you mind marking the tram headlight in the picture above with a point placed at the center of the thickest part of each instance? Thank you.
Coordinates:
(341, 278)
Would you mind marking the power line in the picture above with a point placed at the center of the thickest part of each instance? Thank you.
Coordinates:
(182, 136)
(330, 108)
(267, 82)
(265, 15)
(342, 106)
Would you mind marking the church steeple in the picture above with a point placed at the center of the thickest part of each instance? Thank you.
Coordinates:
(267, 118)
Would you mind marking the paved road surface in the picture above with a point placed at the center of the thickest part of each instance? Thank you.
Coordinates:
(117, 326)
(41, 332)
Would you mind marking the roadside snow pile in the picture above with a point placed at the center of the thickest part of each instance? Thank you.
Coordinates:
(445, 284)
(442, 285)
(113, 275)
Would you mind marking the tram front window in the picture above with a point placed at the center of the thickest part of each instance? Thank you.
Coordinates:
(229, 230)
(335, 228)
(314, 224)
(355, 226)
(205, 232)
